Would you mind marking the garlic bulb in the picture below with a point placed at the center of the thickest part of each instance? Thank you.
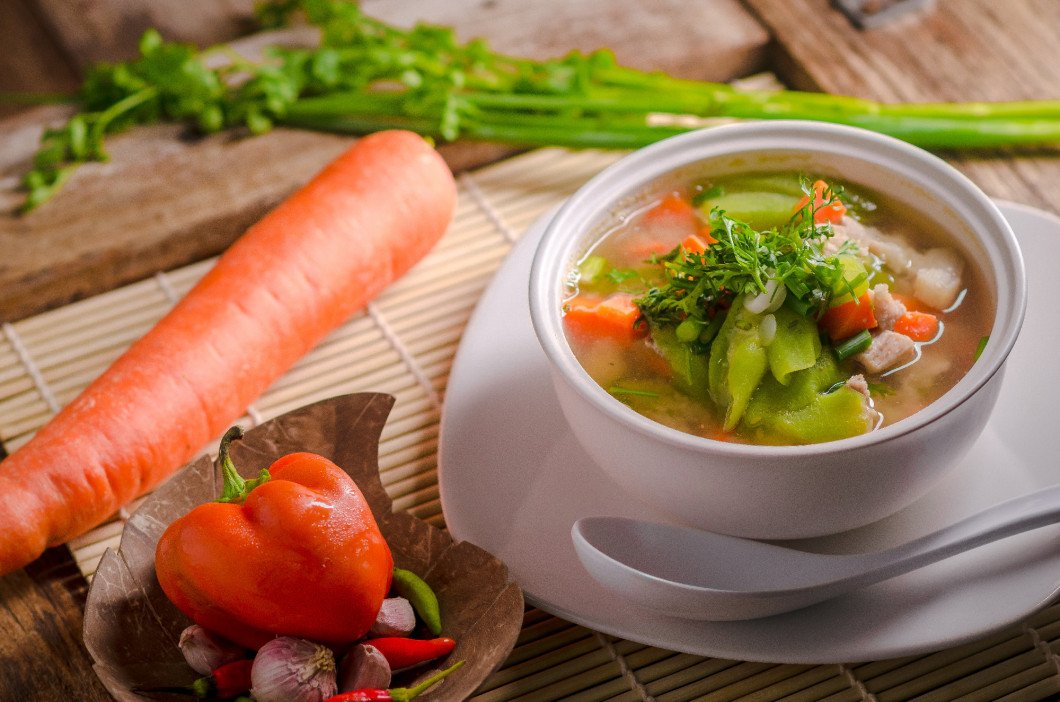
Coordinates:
(364, 667)
(289, 669)
(205, 651)
(396, 618)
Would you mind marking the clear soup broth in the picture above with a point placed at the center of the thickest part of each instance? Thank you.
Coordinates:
(775, 308)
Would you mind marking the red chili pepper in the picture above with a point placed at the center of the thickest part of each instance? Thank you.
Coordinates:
(401, 652)
(230, 680)
(396, 694)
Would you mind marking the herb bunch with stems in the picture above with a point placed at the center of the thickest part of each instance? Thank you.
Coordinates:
(366, 75)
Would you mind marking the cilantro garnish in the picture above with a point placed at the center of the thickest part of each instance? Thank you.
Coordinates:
(742, 261)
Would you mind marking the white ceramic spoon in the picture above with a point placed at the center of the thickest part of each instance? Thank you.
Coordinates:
(702, 575)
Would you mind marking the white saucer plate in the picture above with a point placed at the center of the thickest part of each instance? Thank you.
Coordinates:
(513, 480)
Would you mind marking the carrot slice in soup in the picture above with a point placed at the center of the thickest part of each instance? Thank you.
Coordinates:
(672, 209)
(849, 318)
(918, 326)
(613, 317)
(832, 212)
(695, 244)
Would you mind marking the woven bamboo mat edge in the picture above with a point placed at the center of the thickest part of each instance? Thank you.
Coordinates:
(397, 346)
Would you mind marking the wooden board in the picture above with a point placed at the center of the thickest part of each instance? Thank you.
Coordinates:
(167, 198)
(960, 51)
(30, 60)
(42, 654)
(715, 39)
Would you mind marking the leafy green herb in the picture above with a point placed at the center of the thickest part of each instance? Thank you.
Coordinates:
(742, 261)
(618, 276)
(366, 75)
(880, 389)
(596, 274)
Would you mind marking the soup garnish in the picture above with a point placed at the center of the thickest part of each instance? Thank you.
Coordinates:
(775, 309)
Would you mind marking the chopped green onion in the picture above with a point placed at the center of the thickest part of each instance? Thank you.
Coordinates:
(981, 347)
(616, 390)
(711, 330)
(854, 345)
(797, 302)
(689, 330)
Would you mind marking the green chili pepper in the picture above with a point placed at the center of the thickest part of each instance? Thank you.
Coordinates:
(420, 596)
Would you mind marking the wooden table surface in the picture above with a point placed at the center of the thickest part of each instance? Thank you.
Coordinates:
(90, 239)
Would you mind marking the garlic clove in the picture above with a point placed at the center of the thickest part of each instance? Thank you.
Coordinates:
(205, 651)
(289, 669)
(364, 667)
(396, 618)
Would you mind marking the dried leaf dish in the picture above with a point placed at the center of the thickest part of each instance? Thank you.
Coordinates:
(131, 629)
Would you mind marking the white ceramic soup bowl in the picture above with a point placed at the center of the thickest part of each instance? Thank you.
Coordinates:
(781, 492)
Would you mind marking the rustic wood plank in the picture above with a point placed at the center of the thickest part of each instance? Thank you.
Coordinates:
(42, 656)
(706, 40)
(29, 60)
(167, 198)
(109, 30)
(163, 198)
(969, 50)
(715, 39)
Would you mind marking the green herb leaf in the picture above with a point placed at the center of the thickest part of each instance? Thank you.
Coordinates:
(880, 390)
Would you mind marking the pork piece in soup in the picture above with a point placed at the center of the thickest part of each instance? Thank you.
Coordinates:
(775, 308)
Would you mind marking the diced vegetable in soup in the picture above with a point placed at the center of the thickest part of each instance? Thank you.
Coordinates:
(774, 308)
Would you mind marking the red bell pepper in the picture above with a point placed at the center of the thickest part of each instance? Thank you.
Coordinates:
(614, 317)
(295, 552)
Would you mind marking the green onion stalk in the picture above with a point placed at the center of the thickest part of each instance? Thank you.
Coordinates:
(365, 75)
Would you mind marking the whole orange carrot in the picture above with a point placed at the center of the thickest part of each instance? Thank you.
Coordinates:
(285, 284)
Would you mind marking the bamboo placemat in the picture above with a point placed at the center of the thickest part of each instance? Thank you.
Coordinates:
(401, 346)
